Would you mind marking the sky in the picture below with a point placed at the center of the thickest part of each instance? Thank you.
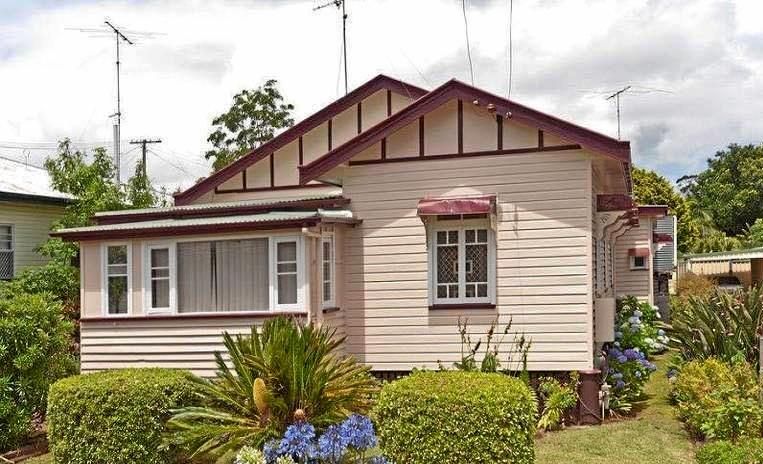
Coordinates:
(695, 68)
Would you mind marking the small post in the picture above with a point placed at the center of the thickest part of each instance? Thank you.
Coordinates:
(590, 384)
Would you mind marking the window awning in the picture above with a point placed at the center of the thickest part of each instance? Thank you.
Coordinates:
(643, 252)
(466, 205)
(662, 238)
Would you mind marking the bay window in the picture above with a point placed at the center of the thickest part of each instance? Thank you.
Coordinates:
(462, 262)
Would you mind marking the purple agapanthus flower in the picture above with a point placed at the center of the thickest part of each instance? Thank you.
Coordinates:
(332, 444)
(359, 431)
(297, 442)
(270, 450)
(379, 460)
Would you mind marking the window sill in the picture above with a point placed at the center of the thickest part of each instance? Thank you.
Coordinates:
(332, 309)
(215, 315)
(436, 307)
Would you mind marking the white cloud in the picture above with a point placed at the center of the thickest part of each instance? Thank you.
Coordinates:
(57, 83)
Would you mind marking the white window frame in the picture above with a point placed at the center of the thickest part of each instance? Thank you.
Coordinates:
(105, 278)
(300, 304)
(331, 302)
(147, 278)
(461, 225)
(11, 251)
(632, 260)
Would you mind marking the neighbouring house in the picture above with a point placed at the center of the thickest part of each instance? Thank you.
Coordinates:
(389, 214)
(730, 269)
(28, 208)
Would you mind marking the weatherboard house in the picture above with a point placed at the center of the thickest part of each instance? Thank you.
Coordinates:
(389, 214)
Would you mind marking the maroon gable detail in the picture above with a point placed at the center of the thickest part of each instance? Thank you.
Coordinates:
(653, 210)
(642, 252)
(614, 202)
(458, 90)
(353, 98)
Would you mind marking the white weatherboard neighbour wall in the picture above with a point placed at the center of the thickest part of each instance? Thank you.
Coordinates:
(543, 259)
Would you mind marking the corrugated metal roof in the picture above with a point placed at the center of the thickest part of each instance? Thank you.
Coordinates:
(749, 253)
(212, 221)
(223, 205)
(17, 178)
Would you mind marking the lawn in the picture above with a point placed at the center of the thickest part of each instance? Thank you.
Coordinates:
(654, 436)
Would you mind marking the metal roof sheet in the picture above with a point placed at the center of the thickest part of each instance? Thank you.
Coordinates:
(17, 178)
(749, 253)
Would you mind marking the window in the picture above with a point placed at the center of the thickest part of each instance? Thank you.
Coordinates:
(6, 252)
(328, 265)
(118, 282)
(638, 262)
(160, 284)
(462, 258)
(223, 276)
(287, 273)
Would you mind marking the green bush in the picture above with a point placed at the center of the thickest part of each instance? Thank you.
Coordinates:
(718, 400)
(457, 417)
(724, 452)
(723, 325)
(34, 352)
(116, 417)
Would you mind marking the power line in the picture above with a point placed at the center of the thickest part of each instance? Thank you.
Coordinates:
(176, 166)
(468, 46)
(143, 143)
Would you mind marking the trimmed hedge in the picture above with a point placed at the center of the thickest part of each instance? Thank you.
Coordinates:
(116, 417)
(457, 417)
(748, 451)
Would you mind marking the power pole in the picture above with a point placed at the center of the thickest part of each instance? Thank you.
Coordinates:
(143, 143)
(118, 127)
(340, 4)
(616, 96)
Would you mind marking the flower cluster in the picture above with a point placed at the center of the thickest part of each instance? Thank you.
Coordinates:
(300, 444)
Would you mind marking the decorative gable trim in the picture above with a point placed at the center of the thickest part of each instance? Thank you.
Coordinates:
(455, 89)
(380, 82)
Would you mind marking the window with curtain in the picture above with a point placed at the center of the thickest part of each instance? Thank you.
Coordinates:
(462, 259)
(6, 252)
(160, 284)
(117, 279)
(223, 276)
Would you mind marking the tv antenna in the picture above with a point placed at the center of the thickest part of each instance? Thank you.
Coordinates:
(340, 4)
(616, 96)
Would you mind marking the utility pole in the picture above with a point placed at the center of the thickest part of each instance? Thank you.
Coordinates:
(143, 143)
(616, 96)
(340, 4)
(118, 127)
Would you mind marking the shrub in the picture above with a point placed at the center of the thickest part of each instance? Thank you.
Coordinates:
(723, 325)
(718, 400)
(636, 326)
(748, 451)
(116, 417)
(694, 285)
(457, 417)
(34, 342)
(557, 400)
(287, 372)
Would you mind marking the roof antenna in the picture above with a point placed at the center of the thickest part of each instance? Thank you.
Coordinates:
(511, 53)
(616, 96)
(340, 4)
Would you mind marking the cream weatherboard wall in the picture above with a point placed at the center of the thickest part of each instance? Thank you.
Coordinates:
(31, 224)
(543, 259)
(635, 282)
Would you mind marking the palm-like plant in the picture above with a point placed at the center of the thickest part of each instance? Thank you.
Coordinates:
(285, 371)
(722, 325)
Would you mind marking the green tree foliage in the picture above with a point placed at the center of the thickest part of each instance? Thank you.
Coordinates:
(253, 119)
(731, 188)
(283, 373)
(34, 353)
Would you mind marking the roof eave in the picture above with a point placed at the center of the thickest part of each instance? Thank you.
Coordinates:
(13, 196)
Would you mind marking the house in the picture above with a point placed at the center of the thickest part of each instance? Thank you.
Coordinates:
(730, 269)
(389, 214)
(28, 208)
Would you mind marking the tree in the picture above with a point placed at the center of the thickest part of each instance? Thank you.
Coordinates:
(731, 188)
(253, 119)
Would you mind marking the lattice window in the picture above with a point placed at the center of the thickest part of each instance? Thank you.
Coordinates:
(463, 260)
(6, 252)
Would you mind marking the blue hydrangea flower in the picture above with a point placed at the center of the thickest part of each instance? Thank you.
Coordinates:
(661, 333)
(332, 444)
(618, 335)
(631, 354)
(634, 320)
(638, 313)
(620, 384)
(617, 344)
(297, 442)
(622, 359)
(359, 431)
(637, 374)
(617, 376)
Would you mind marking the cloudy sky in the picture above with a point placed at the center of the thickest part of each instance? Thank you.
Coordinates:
(695, 67)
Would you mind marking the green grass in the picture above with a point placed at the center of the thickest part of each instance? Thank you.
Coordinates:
(654, 436)
(44, 459)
